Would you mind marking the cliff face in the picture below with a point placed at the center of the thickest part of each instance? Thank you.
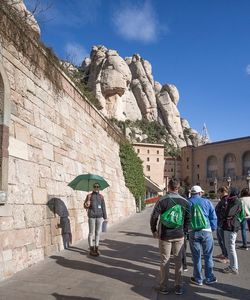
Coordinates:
(126, 90)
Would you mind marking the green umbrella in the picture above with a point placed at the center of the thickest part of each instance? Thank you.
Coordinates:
(85, 182)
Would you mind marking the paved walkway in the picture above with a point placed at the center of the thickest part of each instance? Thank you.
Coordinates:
(127, 269)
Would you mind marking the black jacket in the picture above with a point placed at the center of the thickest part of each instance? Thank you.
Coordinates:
(220, 210)
(163, 204)
(97, 207)
(230, 220)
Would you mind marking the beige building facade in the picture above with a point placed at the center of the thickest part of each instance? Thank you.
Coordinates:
(152, 156)
(172, 168)
(216, 164)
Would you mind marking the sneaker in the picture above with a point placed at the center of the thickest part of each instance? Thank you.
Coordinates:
(162, 290)
(97, 251)
(92, 251)
(243, 247)
(211, 281)
(178, 290)
(192, 279)
(228, 270)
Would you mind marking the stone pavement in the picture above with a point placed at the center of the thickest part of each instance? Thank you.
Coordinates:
(127, 269)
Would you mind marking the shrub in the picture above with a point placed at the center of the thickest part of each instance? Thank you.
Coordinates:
(133, 172)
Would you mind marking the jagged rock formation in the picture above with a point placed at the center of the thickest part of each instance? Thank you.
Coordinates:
(126, 90)
(27, 16)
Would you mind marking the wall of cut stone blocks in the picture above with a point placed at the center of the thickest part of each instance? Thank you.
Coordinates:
(54, 135)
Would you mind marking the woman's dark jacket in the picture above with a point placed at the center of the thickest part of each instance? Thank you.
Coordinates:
(232, 210)
(220, 210)
(97, 207)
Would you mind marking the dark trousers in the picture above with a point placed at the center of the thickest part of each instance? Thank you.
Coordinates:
(66, 240)
(221, 241)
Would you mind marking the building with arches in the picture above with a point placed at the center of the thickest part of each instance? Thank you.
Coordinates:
(220, 163)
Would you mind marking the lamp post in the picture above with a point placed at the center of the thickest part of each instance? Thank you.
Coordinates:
(229, 181)
(248, 179)
(215, 186)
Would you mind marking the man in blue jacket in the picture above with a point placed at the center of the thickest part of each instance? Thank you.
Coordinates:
(202, 239)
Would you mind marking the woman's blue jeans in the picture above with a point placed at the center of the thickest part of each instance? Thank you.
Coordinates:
(221, 241)
(243, 226)
(202, 242)
(230, 239)
(95, 228)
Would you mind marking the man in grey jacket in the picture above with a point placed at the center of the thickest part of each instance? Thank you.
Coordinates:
(95, 205)
(170, 239)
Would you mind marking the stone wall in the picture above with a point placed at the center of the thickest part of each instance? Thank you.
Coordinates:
(54, 134)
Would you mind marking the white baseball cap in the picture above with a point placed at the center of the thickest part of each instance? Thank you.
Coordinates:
(196, 189)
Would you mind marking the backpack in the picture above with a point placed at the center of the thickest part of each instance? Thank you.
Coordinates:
(198, 220)
(173, 217)
(241, 214)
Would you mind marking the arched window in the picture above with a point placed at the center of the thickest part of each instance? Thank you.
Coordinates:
(246, 163)
(229, 165)
(212, 167)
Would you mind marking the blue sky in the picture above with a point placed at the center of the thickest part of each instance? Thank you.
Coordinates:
(201, 46)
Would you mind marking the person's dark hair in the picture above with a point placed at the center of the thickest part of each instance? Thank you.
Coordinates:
(234, 192)
(244, 192)
(173, 184)
(223, 189)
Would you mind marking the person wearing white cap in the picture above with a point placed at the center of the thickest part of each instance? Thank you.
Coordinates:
(201, 240)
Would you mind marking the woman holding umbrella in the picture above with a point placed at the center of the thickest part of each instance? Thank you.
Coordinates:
(95, 206)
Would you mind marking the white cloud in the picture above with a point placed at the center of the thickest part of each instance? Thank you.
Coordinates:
(75, 53)
(248, 69)
(136, 22)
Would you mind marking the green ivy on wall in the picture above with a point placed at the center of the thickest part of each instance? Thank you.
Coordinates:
(133, 172)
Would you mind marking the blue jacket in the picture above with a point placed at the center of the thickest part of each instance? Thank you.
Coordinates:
(208, 210)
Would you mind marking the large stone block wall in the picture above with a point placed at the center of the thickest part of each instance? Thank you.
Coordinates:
(54, 135)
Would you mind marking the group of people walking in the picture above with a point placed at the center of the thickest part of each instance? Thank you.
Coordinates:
(175, 220)
(199, 220)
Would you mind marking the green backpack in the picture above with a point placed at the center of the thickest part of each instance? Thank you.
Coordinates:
(198, 220)
(241, 214)
(173, 217)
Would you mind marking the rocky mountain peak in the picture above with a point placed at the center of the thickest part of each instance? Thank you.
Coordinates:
(126, 90)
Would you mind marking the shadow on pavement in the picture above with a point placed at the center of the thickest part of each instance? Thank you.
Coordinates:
(135, 252)
(120, 262)
(63, 297)
(216, 291)
(131, 233)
